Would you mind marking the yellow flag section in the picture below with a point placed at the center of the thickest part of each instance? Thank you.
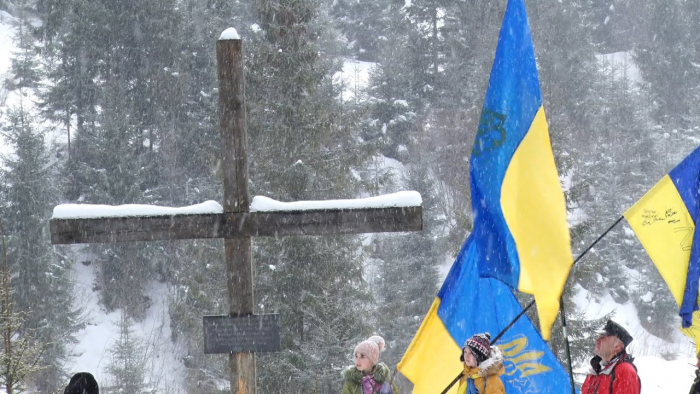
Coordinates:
(432, 358)
(542, 274)
(664, 222)
(664, 227)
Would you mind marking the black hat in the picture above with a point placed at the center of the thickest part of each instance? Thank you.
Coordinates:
(612, 328)
(82, 383)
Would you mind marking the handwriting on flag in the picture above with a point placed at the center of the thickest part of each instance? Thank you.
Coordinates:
(652, 219)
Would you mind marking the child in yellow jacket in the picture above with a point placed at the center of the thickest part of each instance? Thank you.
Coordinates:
(483, 366)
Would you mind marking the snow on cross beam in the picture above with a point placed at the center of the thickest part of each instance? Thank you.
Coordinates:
(84, 223)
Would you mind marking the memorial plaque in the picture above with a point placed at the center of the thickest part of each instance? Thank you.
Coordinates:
(238, 334)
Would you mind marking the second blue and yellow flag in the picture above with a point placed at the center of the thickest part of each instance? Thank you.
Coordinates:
(520, 225)
(665, 220)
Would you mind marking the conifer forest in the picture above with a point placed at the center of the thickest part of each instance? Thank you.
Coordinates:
(115, 102)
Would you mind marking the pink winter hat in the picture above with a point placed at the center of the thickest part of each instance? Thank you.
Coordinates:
(379, 340)
(371, 348)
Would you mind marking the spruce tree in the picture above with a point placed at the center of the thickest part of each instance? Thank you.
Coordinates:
(299, 151)
(24, 70)
(405, 277)
(21, 351)
(40, 273)
(394, 97)
(128, 360)
(69, 31)
(28, 193)
(365, 25)
(667, 59)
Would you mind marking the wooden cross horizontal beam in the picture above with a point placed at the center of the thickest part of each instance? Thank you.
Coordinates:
(234, 225)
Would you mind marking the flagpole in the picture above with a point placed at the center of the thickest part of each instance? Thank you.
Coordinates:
(562, 314)
(452, 383)
(562, 311)
(500, 334)
(503, 331)
(597, 240)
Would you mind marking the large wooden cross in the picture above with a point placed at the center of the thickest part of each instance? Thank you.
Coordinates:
(237, 224)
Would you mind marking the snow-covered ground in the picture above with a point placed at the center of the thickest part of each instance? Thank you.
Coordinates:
(6, 44)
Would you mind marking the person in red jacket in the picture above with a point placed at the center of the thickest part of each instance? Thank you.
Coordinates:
(612, 369)
(695, 388)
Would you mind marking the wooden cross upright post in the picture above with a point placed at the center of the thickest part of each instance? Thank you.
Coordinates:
(239, 262)
(236, 224)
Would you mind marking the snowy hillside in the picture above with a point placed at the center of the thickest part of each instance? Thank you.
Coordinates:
(353, 77)
(92, 353)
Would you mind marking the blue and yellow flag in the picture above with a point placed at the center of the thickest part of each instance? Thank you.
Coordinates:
(664, 221)
(466, 305)
(519, 209)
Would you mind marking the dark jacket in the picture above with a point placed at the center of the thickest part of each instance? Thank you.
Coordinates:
(695, 388)
(619, 376)
(82, 383)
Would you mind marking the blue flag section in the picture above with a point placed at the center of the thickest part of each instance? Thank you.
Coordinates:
(471, 305)
(466, 305)
(519, 208)
(686, 177)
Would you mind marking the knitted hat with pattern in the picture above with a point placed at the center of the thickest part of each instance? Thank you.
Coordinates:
(480, 346)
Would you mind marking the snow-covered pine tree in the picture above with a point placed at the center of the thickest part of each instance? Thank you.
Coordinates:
(24, 70)
(68, 34)
(668, 60)
(405, 278)
(300, 149)
(365, 25)
(27, 194)
(21, 351)
(128, 360)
